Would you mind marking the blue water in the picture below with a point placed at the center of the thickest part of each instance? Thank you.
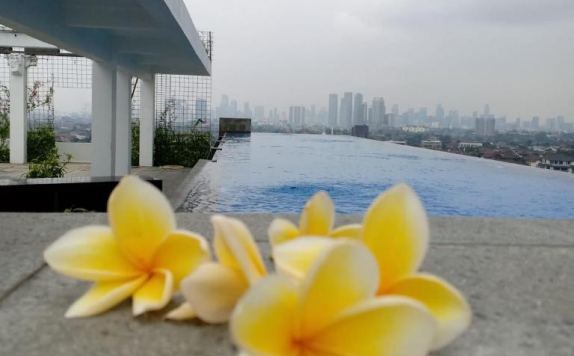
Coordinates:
(277, 173)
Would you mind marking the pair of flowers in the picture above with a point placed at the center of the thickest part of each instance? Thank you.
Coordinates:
(353, 290)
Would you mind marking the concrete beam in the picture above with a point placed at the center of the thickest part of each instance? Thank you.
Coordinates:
(91, 14)
(15, 39)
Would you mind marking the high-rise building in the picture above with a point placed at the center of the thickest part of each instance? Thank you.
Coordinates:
(333, 112)
(411, 117)
(560, 123)
(358, 112)
(323, 117)
(232, 109)
(259, 112)
(247, 111)
(535, 123)
(313, 115)
(297, 115)
(486, 111)
(453, 119)
(474, 115)
(421, 116)
(379, 112)
(490, 126)
(395, 110)
(365, 114)
(223, 109)
(480, 126)
(439, 113)
(347, 111)
(551, 124)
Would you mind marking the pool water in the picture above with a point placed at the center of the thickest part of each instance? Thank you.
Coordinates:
(278, 173)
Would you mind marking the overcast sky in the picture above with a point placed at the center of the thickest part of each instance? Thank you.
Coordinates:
(516, 55)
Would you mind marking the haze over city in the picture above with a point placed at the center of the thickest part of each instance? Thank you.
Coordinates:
(415, 54)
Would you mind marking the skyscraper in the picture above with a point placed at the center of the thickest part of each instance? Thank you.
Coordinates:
(551, 124)
(247, 111)
(560, 123)
(233, 109)
(313, 116)
(333, 112)
(395, 110)
(347, 111)
(223, 109)
(480, 126)
(358, 112)
(439, 113)
(486, 112)
(297, 115)
(379, 112)
(535, 123)
(259, 112)
(490, 125)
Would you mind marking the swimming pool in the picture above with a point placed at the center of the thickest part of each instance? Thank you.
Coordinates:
(277, 173)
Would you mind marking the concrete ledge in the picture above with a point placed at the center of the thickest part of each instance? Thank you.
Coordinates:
(517, 275)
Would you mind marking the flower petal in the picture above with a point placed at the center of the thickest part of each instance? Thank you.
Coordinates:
(103, 296)
(343, 275)
(295, 258)
(235, 247)
(90, 253)
(264, 320)
(352, 231)
(387, 326)
(155, 293)
(141, 217)
(281, 231)
(181, 253)
(213, 290)
(397, 232)
(444, 301)
(318, 216)
(183, 312)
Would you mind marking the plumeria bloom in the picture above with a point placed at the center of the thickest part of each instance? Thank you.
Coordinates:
(141, 254)
(333, 310)
(396, 231)
(317, 219)
(212, 291)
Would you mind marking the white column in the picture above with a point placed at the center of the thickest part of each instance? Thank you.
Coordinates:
(147, 117)
(18, 108)
(103, 119)
(123, 138)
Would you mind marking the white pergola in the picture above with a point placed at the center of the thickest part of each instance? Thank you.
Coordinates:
(125, 39)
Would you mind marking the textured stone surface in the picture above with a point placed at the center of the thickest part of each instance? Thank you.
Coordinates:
(517, 275)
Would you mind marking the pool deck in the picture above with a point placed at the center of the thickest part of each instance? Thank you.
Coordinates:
(176, 182)
(517, 274)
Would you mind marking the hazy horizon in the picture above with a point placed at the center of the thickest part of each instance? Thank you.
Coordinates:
(515, 55)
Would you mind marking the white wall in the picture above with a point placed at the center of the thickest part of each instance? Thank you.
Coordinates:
(81, 152)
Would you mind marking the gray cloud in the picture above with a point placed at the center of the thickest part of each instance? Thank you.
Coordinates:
(514, 54)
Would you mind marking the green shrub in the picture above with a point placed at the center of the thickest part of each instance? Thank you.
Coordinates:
(180, 148)
(135, 143)
(48, 167)
(41, 143)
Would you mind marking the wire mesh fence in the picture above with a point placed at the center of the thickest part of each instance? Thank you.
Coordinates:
(183, 102)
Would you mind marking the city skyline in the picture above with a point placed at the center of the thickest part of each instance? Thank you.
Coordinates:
(377, 114)
(459, 54)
